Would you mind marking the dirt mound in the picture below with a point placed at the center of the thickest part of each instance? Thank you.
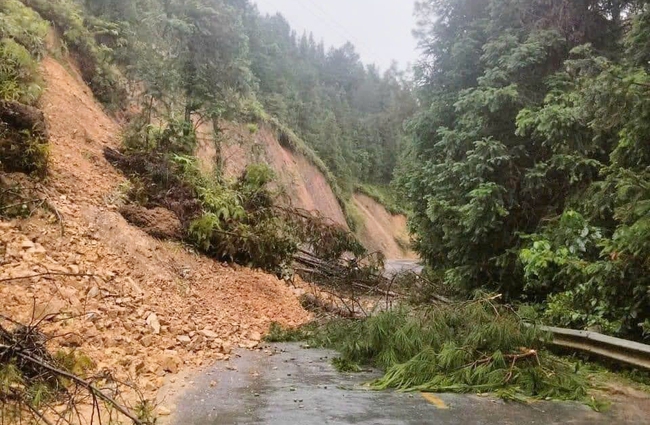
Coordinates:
(158, 222)
(382, 231)
(133, 303)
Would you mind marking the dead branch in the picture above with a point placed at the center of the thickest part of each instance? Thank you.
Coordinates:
(59, 218)
(11, 279)
(87, 385)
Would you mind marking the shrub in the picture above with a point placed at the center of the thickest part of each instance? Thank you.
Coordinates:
(24, 26)
(232, 221)
(22, 43)
(23, 139)
(94, 60)
(175, 137)
(19, 79)
(22, 151)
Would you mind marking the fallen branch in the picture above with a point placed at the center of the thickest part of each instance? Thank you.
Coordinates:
(52, 208)
(11, 279)
(87, 385)
(95, 392)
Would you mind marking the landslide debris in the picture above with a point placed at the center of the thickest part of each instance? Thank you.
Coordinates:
(140, 307)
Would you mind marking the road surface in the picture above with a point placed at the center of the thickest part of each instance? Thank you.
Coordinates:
(393, 267)
(288, 385)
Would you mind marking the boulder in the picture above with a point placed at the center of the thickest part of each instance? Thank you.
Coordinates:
(154, 323)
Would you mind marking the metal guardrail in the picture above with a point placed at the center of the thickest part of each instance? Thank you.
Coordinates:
(629, 352)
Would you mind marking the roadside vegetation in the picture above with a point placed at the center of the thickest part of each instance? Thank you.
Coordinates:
(478, 346)
(23, 137)
(527, 172)
(240, 221)
(518, 148)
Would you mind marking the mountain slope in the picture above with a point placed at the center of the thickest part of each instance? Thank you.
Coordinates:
(131, 302)
(305, 185)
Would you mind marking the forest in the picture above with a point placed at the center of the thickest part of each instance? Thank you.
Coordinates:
(517, 143)
(518, 146)
(528, 166)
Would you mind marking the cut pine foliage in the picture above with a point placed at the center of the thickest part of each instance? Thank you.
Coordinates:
(475, 347)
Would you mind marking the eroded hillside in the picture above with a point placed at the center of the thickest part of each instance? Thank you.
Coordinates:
(304, 184)
(134, 304)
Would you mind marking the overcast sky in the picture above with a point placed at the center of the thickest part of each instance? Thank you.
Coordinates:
(379, 29)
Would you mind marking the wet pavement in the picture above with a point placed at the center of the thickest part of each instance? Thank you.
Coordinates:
(286, 384)
(393, 267)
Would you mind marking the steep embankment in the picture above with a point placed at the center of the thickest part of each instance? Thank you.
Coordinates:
(381, 230)
(131, 302)
(305, 185)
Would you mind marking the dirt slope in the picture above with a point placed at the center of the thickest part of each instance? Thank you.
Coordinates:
(133, 303)
(382, 231)
(306, 187)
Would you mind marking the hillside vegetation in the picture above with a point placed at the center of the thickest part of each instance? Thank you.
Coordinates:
(528, 170)
(518, 148)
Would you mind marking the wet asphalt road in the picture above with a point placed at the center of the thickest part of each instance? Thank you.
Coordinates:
(288, 385)
(393, 267)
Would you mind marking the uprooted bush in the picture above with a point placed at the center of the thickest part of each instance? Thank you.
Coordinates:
(23, 139)
(474, 347)
(239, 221)
(52, 388)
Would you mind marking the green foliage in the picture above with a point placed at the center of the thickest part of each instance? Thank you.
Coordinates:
(19, 79)
(473, 347)
(279, 333)
(94, 59)
(23, 25)
(74, 361)
(345, 366)
(383, 195)
(22, 44)
(235, 221)
(528, 171)
(177, 137)
(23, 151)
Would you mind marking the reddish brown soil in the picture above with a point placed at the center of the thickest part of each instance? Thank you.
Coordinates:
(145, 306)
(307, 188)
(382, 231)
(304, 185)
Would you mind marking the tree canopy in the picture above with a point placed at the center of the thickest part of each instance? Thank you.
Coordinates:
(528, 169)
